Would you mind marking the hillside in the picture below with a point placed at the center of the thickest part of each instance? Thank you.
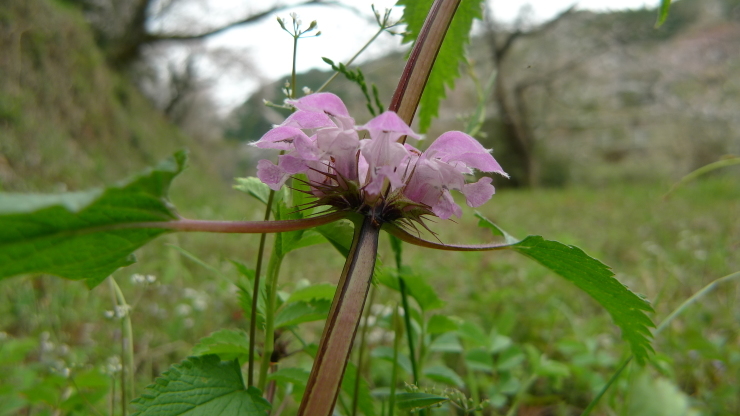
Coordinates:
(66, 120)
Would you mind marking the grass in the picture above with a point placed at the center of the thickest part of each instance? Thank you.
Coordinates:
(665, 250)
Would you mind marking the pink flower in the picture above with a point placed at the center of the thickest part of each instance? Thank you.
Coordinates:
(376, 175)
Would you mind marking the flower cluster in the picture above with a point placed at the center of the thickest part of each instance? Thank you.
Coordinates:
(365, 168)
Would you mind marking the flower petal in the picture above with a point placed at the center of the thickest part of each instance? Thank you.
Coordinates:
(271, 174)
(308, 120)
(389, 121)
(478, 193)
(323, 102)
(456, 146)
(280, 138)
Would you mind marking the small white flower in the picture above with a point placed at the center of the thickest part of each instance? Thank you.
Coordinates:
(183, 309)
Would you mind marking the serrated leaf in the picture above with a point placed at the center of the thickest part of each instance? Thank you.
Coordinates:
(665, 6)
(299, 312)
(228, 344)
(595, 278)
(77, 235)
(407, 401)
(321, 291)
(201, 386)
(451, 54)
(444, 374)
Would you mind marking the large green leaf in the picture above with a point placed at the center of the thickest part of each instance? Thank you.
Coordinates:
(451, 55)
(77, 235)
(228, 344)
(595, 278)
(201, 386)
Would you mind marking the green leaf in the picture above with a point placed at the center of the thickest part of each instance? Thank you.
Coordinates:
(451, 55)
(364, 397)
(201, 386)
(417, 286)
(479, 359)
(297, 376)
(339, 234)
(321, 291)
(386, 354)
(299, 312)
(77, 235)
(407, 401)
(439, 324)
(228, 344)
(596, 279)
(253, 187)
(444, 374)
(665, 6)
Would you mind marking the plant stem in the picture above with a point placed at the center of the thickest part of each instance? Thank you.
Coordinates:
(352, 59)
(273, 269)
(237, 227)
(409, 332)
(397, 329)
(361, 354)
(421, 60)
(324, 382)
(255, 294)
(127, 341)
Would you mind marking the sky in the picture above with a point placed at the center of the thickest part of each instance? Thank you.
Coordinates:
(343, 33)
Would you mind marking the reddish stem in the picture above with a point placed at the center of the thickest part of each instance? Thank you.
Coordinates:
(241, 227)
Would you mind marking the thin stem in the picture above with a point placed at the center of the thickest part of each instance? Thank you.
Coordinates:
(273, 269)
(328, 369)
(255, 294)
(397, 329)
(412, 239)
(293, 78)
(352, 59)
(127, 347)
(409, 332)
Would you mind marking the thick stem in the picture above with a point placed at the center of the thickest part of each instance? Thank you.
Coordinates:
(421, 60)
(325, 380)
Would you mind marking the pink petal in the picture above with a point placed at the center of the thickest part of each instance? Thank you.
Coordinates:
(322, 102)
(455, 146)
(446, 206)
(271, 175)
(389, 121)
(478, 193)
(290, 164)
(280, 138)
(383, 173)
(308, 120)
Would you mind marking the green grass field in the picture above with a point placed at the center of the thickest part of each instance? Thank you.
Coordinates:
(58, 337)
